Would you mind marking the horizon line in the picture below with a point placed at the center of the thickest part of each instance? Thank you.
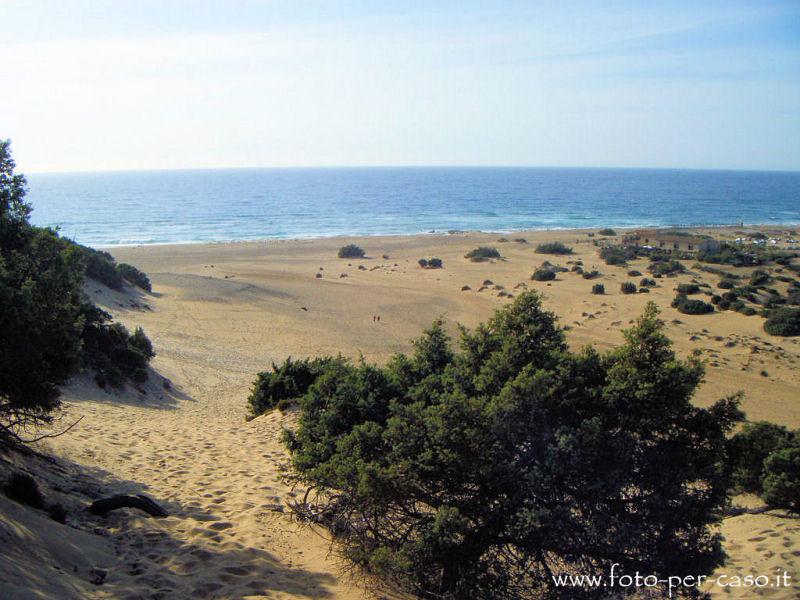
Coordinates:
(404, 166)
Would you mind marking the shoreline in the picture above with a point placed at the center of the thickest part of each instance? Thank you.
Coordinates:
(453, 233)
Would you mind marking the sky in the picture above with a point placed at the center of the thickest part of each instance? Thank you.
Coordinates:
(161, 84)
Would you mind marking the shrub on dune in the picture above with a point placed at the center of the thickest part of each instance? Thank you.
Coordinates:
(460, 457)
(482, 253)
(783, 321)
(351, 251)
(543, 275)
(553, 248)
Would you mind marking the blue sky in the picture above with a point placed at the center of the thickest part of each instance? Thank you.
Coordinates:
(178, 84)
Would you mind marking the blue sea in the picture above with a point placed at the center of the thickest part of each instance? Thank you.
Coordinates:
(155, 207)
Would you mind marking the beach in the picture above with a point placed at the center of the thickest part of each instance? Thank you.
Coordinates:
(220, 313)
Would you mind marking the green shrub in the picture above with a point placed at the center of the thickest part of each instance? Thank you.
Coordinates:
(553, 248)
(725, 284)
(598, 288)
(482, 253)
(723, 304)
(644, 290)
(285, 383)
(793, 297)
(591, 274)
(543, 275)
(666, 267)
(728, 254)
(747, 451)
(688, 288)
(627, 287)
(112, 351)
(634, 273)
(351, 251)
(617, 255)
(134, 276)
(435, 263)
(782, 477)
(783, 321)
(458, 459)
(607, 232)
(693, 307)
(759, 277)
(646, 282)
(423, 262)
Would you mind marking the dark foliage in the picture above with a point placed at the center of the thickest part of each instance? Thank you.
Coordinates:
(728, 254)
(43, 322)
(782, 476)
(759, 277)
(284, 384)
(598, 288)
(688, 288)
(607, 232)
(666, 267)
(591, 274)
(112, 351)
(553, 248)
(617, 255)
(688, 306)
(101, 267)
(351, 251)
(627, 287)
(783, 321)
(726, 284)
(747, 451)
(430, 263)
(477, 472)
(646, 282)
(482, 253)
(134, 276)
(543, 275)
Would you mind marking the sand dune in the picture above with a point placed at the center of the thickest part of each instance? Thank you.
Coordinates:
(222, 312)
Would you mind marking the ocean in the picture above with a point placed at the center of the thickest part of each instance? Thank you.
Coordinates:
(157, 207)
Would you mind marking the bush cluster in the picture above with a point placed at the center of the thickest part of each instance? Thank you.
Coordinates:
(434, 470)
(482, 253)
(689, 306)
(598, 288)
(607, 232)
(430, 263)
(617, 255)
(543, 275)
(764, 459)
(134, 276)
(284, 384)
(553, 248)
(687, 289)
(351, 251)
(627, 287)
(783, 321)
(666, 267)
(43, 320)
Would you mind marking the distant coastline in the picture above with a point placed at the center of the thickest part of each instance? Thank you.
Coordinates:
(180, 207)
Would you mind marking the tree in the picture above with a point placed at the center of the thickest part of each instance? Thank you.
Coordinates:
(40, 301)
(48, 331)
(747, 451)
(481, 472)
(782, 476)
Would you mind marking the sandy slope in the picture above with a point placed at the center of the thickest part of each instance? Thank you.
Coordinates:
(222, 312)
